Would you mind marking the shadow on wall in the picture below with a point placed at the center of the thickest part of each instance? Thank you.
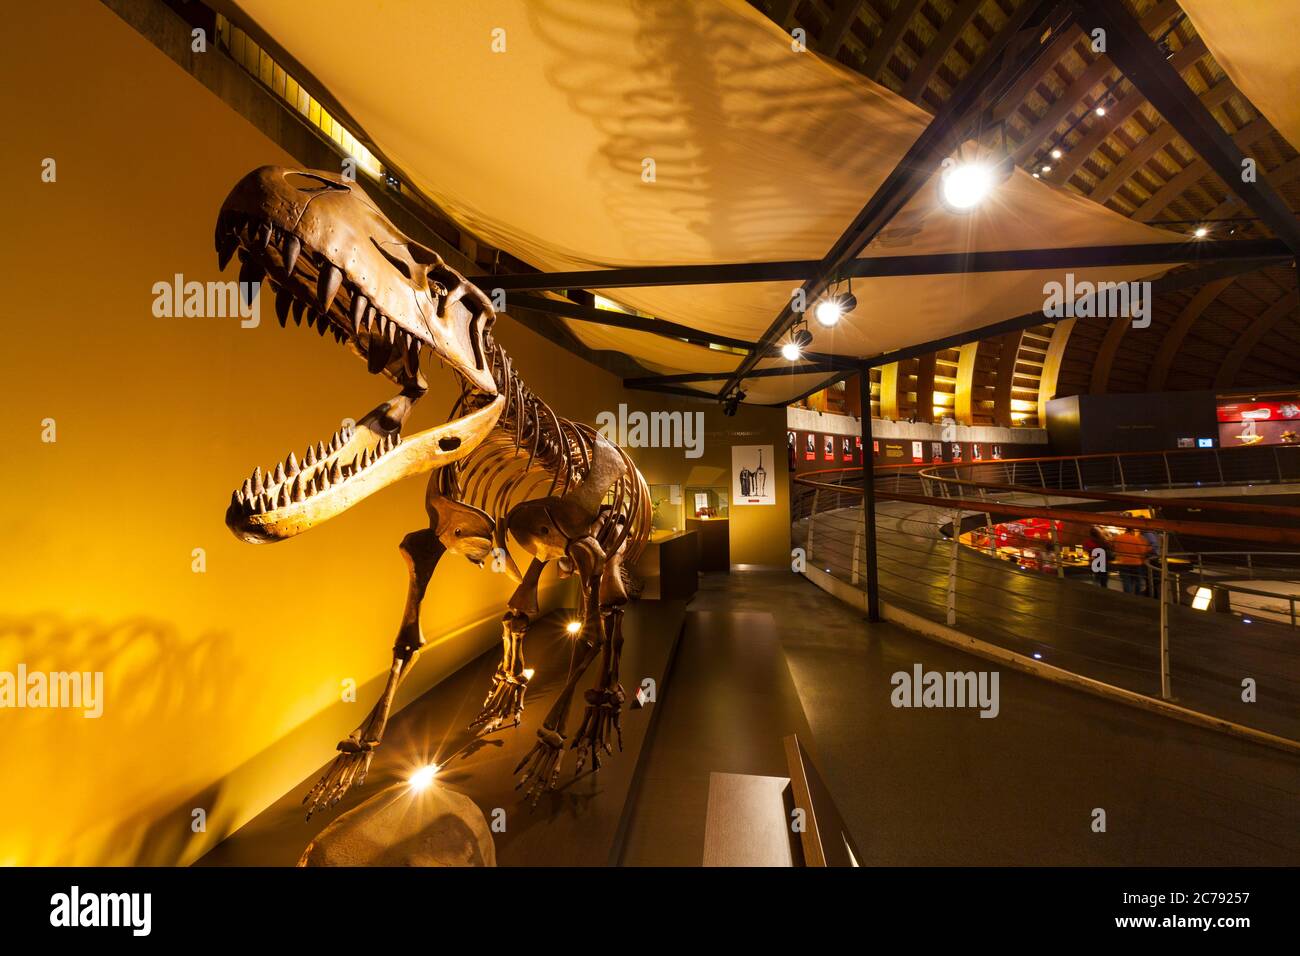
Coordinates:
(155, 678)
(151, 673)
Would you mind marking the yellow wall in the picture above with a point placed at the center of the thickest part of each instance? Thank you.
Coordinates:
(222, 688)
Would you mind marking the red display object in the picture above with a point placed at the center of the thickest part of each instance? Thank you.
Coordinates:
(1260, 411)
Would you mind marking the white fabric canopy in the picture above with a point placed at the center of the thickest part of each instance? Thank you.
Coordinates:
(1257, 42)
(583, 134)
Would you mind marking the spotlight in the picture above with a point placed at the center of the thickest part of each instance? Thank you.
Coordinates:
(1056, 154)
(1201, 232)
(790, 352)
(1100, 111)
(1046, 169)
(573, 627)
(964, 187)
(1036, 176)
(834, 307)
(732, 402)
(422, 779)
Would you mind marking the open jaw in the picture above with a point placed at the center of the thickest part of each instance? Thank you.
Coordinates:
(359, 459)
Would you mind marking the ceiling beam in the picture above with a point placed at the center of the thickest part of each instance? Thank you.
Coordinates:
(1194, 171)
(1245, 344)
(1277, 177)
(1118, 114)
(1041, 18)
(775, 371)
(944, 263)
(1008, 353)
(1172, 339)
(622, 320)
(842, 17)
(1052, 363)
(1156, 140)
(919, 78)
(890, 33)
(1145, 66)
(1169, 282)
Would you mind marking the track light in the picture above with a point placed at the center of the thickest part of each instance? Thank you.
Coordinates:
(1046, 169)
(1100, 111)
(834, 307)
(732, 402)
(799, 340)
(1201, 232)
(965, 186)
(1056, 154)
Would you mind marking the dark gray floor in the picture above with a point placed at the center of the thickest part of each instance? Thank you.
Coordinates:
(941, 786)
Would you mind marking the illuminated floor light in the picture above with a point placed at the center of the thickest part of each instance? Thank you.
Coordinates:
(528, 673)
(422, 779)
(1246, 620)
(573, 627)
(1037, 656)
(1201, 600)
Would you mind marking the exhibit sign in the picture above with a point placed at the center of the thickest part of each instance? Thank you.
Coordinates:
(750, 482)
(918, 452)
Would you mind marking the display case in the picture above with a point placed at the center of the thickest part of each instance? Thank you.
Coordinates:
(706, 502)
(669, 511)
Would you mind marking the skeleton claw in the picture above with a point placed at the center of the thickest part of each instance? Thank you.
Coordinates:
(504, 703)
(543, 765)
(348, 768)
(603, 714)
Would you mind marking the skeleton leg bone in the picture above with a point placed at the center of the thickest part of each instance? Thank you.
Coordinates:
(422, 551)
(541, 765)
(505, 699)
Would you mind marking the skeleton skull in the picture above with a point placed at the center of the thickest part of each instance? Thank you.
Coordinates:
(330, 255)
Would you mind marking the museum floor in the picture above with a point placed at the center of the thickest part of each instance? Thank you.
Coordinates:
(765, 654)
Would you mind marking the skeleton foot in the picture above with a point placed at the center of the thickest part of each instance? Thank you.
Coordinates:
(603, 714)
(504, 702)
(543, 765)
(349, 767)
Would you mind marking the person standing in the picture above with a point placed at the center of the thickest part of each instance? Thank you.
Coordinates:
(1095, 542)
(1131, 552)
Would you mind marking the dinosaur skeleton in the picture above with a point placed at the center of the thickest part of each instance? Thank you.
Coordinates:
(503, 463)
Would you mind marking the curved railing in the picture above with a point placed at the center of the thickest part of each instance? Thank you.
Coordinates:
(1037, 592)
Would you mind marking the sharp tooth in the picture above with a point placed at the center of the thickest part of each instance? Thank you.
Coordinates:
(291, 465)
(320, 450)
(336, 473)
(250, 280)
(357, 463)
(283, 299)
(324, 480)
(359, 306)
(328, 285)
(257, 480)
(283, 500)
(322, 324)
(309, 459)
(236, 501)
(255, 506)
(278, 475)
(248, 489)
(263, 237)
(291, 249)
(299, 307)
(295, 491)
(390, 333)
(268, 502)
(369, 459)
(377, 357)
(312, 487)
(381, 326)
(335, 442)
(412, 358)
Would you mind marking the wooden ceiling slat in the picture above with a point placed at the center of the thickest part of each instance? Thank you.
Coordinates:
(890, 34)
(919, 79)
(1172, 340)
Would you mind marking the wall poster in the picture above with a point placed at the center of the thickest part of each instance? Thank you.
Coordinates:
(751, 482)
